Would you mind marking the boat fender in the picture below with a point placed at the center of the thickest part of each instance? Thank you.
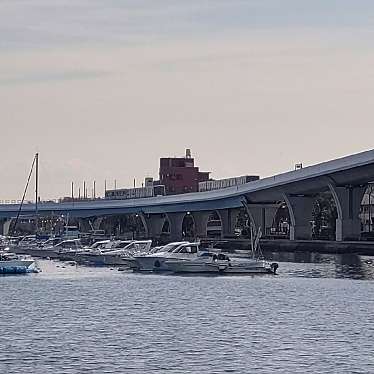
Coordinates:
(157, 264)
(274, 267)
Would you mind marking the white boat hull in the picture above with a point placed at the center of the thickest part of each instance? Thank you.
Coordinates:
(17, 266)
(221, 267)
(194, 267)
(151, 263)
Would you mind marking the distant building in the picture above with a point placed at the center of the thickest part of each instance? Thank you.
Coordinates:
(212, 184)
(180, 175)
(150, 188)
(177, 175)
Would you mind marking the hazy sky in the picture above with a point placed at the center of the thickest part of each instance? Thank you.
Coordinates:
(102, 89)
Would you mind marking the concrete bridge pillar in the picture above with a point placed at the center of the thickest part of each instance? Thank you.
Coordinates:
(176, 223)
(228, 218)
(348, 204)
(7, 226)
(261, 216)
(2, 226)
(300, 209)
(201, 221)
(84, 224)
(97, 223)
(153, 224)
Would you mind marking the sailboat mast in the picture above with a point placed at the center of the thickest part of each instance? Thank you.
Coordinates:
(36, 183)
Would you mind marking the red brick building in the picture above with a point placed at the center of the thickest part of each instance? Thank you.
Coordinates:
(180, 175)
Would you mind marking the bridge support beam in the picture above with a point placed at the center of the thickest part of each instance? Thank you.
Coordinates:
(300, 209)
(153, 224)
(176, 223)
(348, 204)
(229, 219)
(201, 221)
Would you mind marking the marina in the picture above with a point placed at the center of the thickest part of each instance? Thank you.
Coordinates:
(175, 257)
(187, 187)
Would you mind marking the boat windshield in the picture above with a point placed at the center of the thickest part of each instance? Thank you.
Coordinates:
(171, 247)
(186, 249)
(51, 242)
(69, 244)
(101, 244)
(123, 244)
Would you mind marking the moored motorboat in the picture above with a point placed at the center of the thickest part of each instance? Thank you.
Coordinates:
(208, 262)
(68, 250)
(220, 263)
(114, 253)
(43, 249)
(157, 261)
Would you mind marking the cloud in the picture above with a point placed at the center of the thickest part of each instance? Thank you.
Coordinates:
(50, 76)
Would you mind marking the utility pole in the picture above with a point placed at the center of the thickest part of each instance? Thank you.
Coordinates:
(72, 191)
(94, 189)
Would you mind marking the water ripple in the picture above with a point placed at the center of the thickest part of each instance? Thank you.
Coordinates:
(76, 320)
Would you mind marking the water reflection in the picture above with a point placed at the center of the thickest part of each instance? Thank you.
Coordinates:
(323, 265)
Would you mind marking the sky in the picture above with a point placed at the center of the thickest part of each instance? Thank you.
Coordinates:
(103, 89)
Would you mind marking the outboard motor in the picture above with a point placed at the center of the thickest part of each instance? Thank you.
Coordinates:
(274, 267)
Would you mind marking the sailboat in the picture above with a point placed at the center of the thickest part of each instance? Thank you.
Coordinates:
(35, 164)
(256, 263)
(11, 263)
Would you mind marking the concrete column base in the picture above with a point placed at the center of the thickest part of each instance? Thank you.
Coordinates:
(2, 224)
(261, 216)
(228, 221)
(348, 229)
(97, 223)
(348, 204)
(84, 224)
(176, 222)
(300, 209)
(201, 221)
(154, 224)
(301, 232)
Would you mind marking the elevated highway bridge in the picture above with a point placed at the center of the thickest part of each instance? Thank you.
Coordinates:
(346, 178)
